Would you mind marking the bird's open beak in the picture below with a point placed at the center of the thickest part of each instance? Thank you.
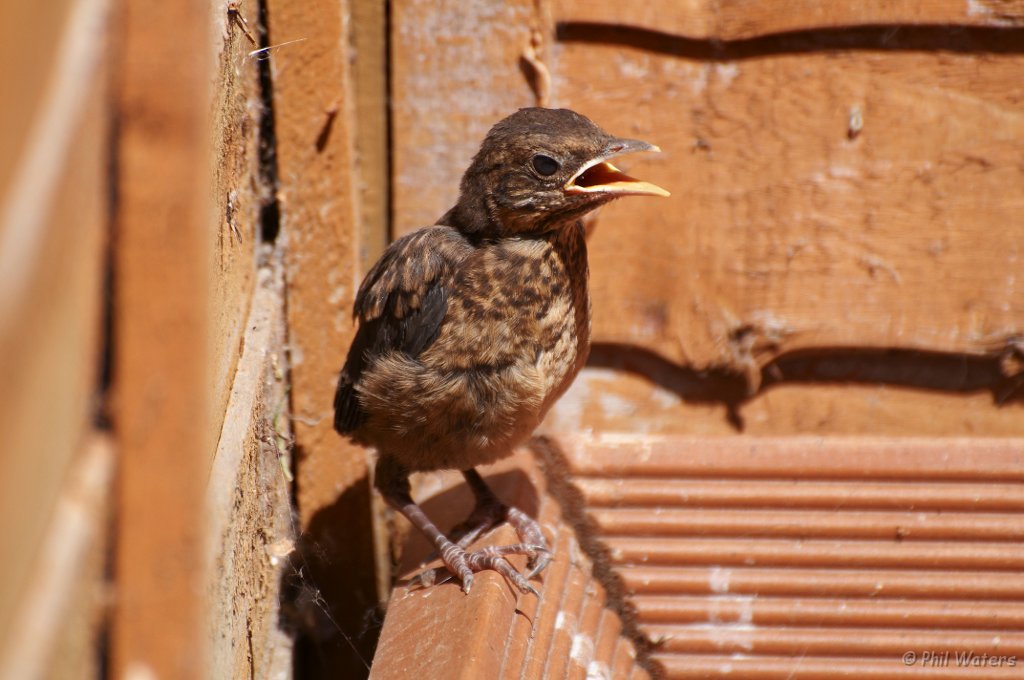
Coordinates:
(598, 176)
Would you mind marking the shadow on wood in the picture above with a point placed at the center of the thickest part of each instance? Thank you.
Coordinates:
(325, 587)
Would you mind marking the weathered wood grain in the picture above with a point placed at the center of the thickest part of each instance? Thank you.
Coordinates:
(740, 19)
(319, 205)
(369, 41)
(455, 71)
(844, 179)
(238, 191)
(860, 192)
(248, 526)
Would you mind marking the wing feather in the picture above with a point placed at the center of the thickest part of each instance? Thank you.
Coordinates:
(400, 305)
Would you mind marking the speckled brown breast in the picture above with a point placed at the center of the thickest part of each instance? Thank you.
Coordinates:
(565, 327)
(515, 334)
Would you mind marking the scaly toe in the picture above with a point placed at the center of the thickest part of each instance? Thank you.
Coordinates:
(526, 527)
(464, 564)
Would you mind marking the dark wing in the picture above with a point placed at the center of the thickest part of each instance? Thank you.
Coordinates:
(400, 306)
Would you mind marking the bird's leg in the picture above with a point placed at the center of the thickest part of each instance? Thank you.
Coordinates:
(392, 480)
(489, 512)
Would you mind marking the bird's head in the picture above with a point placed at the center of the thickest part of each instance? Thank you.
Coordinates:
(540, 169)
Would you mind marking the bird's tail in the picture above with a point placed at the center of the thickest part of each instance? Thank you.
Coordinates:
(348, 414)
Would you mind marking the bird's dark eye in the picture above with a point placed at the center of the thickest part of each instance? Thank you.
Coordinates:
(545, 165)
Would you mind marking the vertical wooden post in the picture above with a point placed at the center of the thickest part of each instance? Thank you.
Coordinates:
(314, 129)
(162, 262)
(53, 234)
(370, 80)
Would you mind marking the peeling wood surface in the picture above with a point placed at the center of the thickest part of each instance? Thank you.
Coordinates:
(788, 231)
(739, 19)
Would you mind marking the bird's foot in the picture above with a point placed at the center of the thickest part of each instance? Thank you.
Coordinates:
(464, 564)
(489, 514)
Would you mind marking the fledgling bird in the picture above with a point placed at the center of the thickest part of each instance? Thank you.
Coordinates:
(469, 330)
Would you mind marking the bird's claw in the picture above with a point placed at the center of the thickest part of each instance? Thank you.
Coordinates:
(463, 564)
(538, 562)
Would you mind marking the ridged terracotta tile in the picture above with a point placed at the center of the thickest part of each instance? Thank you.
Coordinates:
(801, 557)
(743, 557)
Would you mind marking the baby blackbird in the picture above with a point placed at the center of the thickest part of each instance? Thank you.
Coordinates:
(471, 329)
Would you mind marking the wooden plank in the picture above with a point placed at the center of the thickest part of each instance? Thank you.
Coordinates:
(248, 524)
(632, 391)
(370, 75)
(162, 366)
(829, 191)
(27, 65)
(239, 192)
(455, 71)
(318, 194)
(53, 231)
(741, 19)
(61, 609)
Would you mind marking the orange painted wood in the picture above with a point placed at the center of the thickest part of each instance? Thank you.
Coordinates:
(633, 547)
(848, 593)
(842, 642)
(837, 522)
(957, 459)
(163, 419)
(319, 211)
(792, 494)
(984, 585)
